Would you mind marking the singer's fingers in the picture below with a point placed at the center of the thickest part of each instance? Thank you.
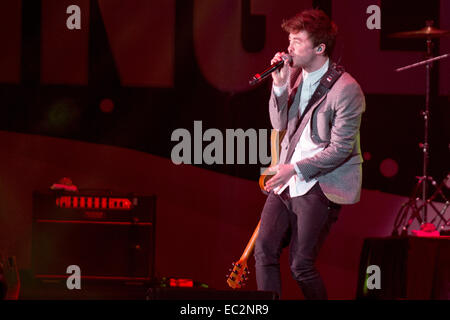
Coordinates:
(278, 57)
(275, 60)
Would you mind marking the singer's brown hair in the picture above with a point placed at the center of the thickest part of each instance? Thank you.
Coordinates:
(318, 25)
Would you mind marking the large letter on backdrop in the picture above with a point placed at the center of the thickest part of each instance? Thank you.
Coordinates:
(64, 53)
(141, 34)
(218, 41)
(10, 38)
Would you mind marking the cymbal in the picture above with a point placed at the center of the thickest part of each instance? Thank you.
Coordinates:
(428, 32)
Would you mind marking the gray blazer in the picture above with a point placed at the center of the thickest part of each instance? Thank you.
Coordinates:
(335, 122)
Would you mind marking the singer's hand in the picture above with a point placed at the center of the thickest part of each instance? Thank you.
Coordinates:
(279, 76)
(284, 172)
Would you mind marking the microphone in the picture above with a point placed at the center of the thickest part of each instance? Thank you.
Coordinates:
(257, 78)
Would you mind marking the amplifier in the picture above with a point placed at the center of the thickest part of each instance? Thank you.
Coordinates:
(107, 235)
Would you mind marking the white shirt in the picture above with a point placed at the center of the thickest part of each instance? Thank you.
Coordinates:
(305, 147)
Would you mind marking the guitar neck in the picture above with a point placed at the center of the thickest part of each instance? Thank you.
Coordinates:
(251, 244)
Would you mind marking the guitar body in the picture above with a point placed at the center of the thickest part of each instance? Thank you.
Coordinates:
(275, 146)
(239, 274)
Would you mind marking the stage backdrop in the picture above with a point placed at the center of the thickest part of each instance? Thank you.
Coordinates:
(118, 78)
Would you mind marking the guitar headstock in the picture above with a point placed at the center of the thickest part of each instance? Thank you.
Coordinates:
(238, 275)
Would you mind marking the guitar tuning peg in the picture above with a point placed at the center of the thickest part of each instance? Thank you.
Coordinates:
(245, 269)
(232, 264)
(235, 272)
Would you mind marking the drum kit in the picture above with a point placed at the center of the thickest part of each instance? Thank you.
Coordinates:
(413, 207)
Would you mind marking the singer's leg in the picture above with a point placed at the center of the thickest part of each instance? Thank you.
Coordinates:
(272, 237)
(315, 214)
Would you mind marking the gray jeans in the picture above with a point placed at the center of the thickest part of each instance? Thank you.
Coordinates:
(302, 223)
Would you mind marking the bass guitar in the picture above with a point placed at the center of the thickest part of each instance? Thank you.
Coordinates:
(239, 273)
(275, 146)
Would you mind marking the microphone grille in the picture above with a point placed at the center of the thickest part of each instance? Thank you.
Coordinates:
(286, 58)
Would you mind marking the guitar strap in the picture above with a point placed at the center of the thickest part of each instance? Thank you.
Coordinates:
(326, 82)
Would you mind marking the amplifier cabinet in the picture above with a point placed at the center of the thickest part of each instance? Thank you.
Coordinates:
(108, 236)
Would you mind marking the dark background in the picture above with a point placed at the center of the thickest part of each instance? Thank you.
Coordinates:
(392, 126)
(140, 69)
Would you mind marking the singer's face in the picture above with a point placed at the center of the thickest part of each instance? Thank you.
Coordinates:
(301, 49)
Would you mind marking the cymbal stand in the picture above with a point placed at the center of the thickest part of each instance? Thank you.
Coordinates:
(439, 192)
(425, 178)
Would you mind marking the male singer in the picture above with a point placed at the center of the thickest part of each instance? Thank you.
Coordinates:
(320, 160)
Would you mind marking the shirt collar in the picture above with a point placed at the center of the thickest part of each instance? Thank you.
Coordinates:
(313, 77)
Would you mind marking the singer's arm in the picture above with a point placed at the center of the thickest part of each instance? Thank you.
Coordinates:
(278, 107)
(279, 97)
